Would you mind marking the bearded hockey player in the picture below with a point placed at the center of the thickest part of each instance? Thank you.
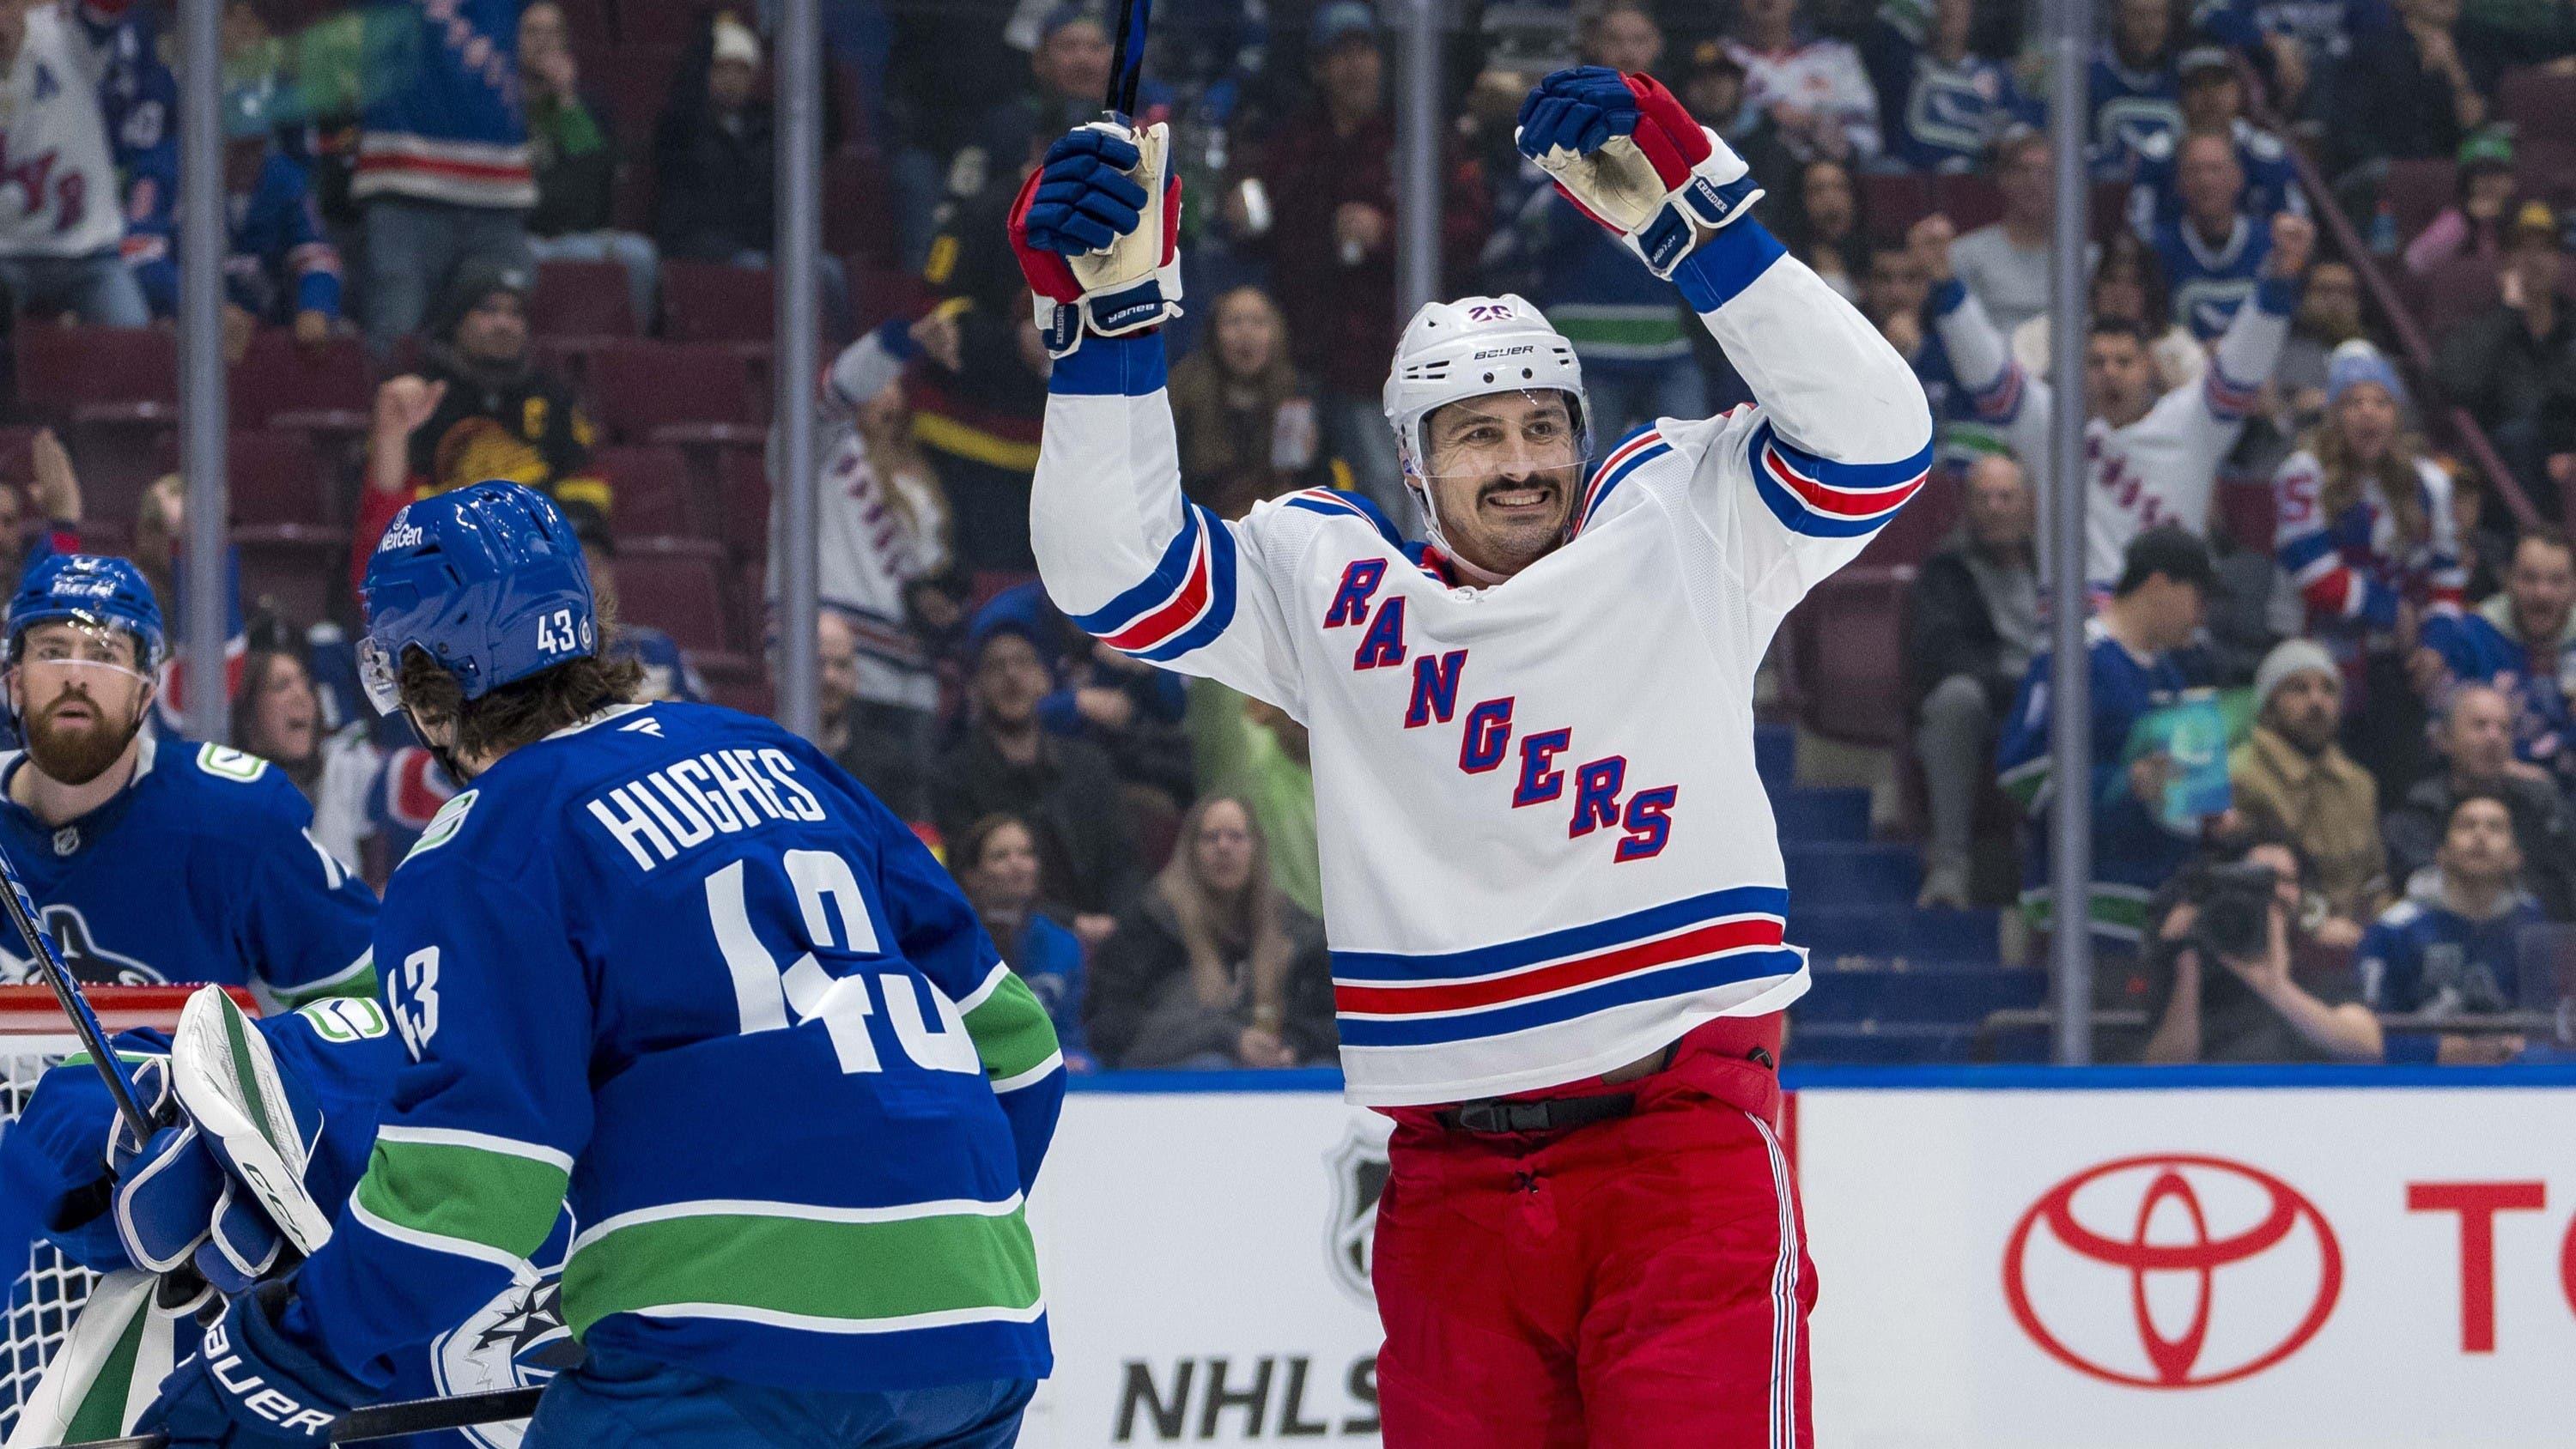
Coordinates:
(665, 964)
(1551, 877)
(154, 858)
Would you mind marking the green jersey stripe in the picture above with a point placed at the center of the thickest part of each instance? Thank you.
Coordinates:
(865, 1276)
(811, 1323)
(1010, 1027)
(501, 1200)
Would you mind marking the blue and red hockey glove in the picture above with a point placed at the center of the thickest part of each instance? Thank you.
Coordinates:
(1629, 157)
(1097, 228)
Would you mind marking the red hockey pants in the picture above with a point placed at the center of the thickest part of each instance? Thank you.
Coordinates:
(1630, 1284)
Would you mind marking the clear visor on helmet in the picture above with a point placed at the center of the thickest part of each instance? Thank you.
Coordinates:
(1504, 434)
(380, 675)
(77, 647)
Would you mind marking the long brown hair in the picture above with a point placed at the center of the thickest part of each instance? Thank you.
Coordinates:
(1217, 931)
(2345, 479)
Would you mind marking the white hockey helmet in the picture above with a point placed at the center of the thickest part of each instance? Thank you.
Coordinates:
(1474, 347)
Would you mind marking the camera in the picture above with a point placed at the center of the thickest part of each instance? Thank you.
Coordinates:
(2235, 903)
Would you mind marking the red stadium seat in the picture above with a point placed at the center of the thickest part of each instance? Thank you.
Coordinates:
(275, 477)
(2416, 190)
(1969, 201)
(674, 392)
(292, 580)
(582, 299)
(2247, 512)
(857, 215)
(649, 490)
(660, 22)
(99, 374)
(675, 585)
(635, 85)
(330, 390)
(1910, 537)
(1891, 202)
(742, 502)
(714, 302)
(1847, 647)
(878, 291)
(2456, 291)
(2536, 102)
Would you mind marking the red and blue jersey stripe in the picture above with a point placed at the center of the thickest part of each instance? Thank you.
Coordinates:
(1184, 604)
(1391, 1000)
(1332, 502)
(1817, 496)
(1633, 452)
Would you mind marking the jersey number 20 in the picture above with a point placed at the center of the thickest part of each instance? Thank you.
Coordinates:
(769, 997)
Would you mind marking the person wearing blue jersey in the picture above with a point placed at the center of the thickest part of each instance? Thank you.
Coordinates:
(2213, 253)
(2451, 946)
(2135, 92)
(2212, 103)
(2522, 641)
(2155, 608)
(154, 858)
(668, 965)
(1944, 105)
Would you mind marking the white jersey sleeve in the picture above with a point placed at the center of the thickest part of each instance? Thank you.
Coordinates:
(1127, 556)
(1839, 436)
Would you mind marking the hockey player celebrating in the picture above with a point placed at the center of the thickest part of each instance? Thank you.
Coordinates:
(1551, 876)
(667, 963)
(152, 858)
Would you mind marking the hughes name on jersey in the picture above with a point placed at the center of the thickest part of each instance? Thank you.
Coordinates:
(1545, 848)
(203, 868)
(671, 967)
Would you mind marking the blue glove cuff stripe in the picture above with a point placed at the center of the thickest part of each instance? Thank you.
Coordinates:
(1130, 366)
(1726, 264)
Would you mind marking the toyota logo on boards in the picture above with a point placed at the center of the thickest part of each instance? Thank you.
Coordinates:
(2172, 1272)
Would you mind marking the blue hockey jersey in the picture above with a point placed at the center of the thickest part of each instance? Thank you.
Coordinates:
(200, 870)
(2134, 852)
(2271, 179)
(280, 263)
(2208, 283)
(2483, 646)
(674, 966)
(2423, 956)
(2131, 109)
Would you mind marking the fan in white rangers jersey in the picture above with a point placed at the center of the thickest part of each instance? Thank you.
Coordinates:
(61, 227)
(1551, 877)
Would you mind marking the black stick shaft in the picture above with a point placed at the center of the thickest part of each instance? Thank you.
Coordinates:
(386, 1421)
(49, 964)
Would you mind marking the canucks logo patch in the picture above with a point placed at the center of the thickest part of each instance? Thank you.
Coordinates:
(231, 764)
(443, 825)
(91, 963)
(516, 1341)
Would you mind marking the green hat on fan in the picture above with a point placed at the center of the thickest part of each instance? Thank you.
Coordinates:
(2491, 146)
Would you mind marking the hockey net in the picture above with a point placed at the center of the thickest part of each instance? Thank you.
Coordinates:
(49, 1289)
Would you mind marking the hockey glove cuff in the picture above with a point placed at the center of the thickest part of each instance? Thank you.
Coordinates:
(1097, 229)
(250, 1386)
(1623, 150)
(56, 1175)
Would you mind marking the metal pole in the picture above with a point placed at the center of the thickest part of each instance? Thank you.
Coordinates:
(1417, 158)
(800, 231)
(2070, 718)
(207, 585)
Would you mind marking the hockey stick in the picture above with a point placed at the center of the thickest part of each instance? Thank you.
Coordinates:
(1127, 61)
(385, 1421)
(49, 964)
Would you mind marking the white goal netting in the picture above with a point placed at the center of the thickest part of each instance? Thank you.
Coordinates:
(48, 1290)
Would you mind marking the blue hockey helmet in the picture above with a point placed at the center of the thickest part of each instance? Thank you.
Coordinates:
(88, 588)
(486, 580)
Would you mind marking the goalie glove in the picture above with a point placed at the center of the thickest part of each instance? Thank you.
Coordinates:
(1629, 157)
(1097, 228)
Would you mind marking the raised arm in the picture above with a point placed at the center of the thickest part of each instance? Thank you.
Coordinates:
(1122, 551)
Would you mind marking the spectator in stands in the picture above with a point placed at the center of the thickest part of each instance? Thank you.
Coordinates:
(2291, 779)
(2522, 641)
(1066, 788)
(2154, 459)
(2213, 253)
(1326, 223)
(277, 716)
(2248, 1006)
(51, 502)
(574, 159)
(996, 862)
(2004, 264)
(2475, 742)
(1069, 71)
(2292, 44)
(1814, 88)
(2401, 91)
(2213, 104)
(2128, 287)
(715, 166)
(1972, 623)
(1128, 708)
(281, 268)
(887, 753)
(667, 672)
(2509, 363)
(1894, 296)
(2329, 316)
(443, 178)
(2453, 948)
(1246, 420)
(2474, 224)
(478, 407)
(1254, 751)
(1212, 967)
(1945, 105)
(1827, 232)
(2155, 608)
(1713, 90)
(60, 244)
(2135, 89)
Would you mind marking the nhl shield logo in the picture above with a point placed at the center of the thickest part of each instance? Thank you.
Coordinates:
(1359, 1171)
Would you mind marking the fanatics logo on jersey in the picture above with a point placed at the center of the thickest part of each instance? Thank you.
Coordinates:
(2172, 1271)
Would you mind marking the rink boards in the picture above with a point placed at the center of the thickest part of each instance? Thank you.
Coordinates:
(2105, 1257)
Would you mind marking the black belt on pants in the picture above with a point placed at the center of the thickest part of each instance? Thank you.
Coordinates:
(1497, 1117)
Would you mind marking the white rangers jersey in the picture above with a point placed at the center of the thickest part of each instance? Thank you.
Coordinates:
(2161, 468)
(1545, 849)
(58, 194)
